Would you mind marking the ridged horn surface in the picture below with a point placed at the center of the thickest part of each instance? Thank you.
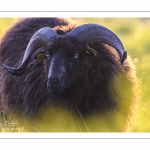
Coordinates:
(39, 39)
(93, 32)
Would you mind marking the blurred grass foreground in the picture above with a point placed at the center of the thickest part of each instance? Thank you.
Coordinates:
(135, 35)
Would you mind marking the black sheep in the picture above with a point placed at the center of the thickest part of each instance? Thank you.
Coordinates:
(84, 70)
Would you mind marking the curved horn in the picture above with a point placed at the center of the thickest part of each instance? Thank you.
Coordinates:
(93, 32)
(39, 39)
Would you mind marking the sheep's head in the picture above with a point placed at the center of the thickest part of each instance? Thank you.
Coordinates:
(64, 61)
(64, 53)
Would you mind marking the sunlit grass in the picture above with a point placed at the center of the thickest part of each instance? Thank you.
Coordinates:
(135, 34)
(5, 24)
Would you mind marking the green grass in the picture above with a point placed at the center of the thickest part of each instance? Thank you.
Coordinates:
(135, 34)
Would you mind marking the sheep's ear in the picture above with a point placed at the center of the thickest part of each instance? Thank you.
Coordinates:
(91, 50)
(40, 57)
(88, 52)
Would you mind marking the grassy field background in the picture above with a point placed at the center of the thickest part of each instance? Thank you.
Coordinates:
(135, 35)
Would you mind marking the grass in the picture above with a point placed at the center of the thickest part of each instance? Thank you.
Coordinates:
(135, 34)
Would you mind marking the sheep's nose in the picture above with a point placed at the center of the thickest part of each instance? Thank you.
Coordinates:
(52, 82)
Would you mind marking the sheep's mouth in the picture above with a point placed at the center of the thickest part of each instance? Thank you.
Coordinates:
(55, 91)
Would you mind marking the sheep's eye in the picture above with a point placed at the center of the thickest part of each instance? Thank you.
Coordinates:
(41, 56)
(48, 56)
(76, 55)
